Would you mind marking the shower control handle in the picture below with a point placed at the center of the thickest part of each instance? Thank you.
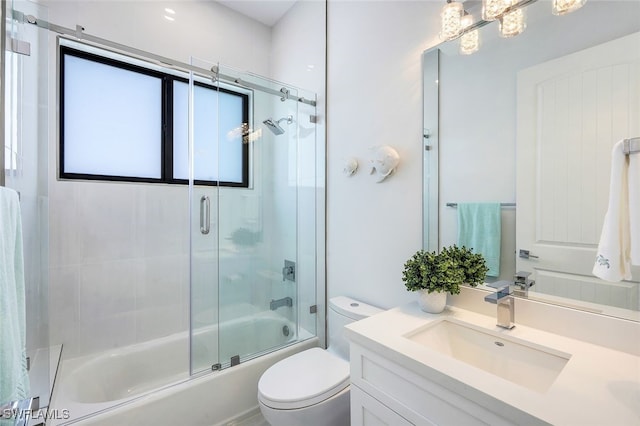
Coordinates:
(205, 215)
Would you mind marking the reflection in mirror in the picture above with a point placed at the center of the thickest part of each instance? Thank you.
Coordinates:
(501, 101)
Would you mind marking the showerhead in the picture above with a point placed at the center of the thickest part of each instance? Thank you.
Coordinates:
(275, 127)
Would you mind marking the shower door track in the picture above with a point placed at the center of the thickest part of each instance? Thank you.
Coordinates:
(79, 34)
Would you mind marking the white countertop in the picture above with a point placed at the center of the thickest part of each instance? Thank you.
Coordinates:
(598, 385)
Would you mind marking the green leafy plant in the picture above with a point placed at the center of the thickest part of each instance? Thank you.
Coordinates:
(444, 271)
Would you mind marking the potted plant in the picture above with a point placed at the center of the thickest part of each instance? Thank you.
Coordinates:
(434, 275)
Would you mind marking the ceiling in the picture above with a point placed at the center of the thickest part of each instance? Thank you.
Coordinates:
(266, 11)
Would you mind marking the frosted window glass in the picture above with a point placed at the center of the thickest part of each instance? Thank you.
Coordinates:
(112, 120)
(231, 145)
(218, 145)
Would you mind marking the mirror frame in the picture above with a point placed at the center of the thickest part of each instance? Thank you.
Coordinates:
(430, 152)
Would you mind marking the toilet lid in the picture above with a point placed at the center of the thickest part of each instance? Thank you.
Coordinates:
(303, 379)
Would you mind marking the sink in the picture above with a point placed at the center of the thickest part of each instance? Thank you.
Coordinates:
(527, 364)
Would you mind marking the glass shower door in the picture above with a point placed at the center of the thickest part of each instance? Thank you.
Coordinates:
(25, 171)
(257, 226)
(253, 267)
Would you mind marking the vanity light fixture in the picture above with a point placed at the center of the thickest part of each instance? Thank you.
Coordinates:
(457, 23)
(451, 20)
(469, 41)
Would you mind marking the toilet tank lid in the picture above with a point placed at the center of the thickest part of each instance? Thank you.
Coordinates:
(352, 308)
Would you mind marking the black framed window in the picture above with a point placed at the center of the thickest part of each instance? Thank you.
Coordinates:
(125, 122)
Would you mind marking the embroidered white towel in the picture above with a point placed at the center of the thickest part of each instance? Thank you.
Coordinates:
(613, 261)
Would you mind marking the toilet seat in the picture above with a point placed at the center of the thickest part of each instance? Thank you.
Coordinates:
(303, 379)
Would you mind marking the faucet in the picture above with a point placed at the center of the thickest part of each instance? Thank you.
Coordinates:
(285, 301)
(522, 283)
(503, 298)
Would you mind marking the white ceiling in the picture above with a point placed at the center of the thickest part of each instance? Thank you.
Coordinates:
(266, 11)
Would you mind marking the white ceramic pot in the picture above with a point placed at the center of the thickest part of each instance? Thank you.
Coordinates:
(432, 303)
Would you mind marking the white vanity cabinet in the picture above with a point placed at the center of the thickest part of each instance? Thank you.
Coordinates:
(458, 368)
(385, 393)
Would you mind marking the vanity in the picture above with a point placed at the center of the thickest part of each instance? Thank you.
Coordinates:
(459, 368)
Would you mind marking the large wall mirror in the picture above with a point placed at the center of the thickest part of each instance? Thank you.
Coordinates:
(530, 122)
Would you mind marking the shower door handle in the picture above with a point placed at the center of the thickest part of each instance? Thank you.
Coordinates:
(205, 215)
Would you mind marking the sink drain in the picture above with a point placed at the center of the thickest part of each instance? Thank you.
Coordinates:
(499, 343)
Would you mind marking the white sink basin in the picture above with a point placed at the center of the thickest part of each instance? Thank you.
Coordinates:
(521, 362)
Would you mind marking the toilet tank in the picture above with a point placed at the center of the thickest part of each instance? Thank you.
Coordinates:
(342, 311)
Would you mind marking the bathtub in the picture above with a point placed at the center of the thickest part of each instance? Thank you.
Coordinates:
(148, 383)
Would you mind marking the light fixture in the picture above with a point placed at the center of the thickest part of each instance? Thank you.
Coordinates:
(512, 23)
(451, 20)
(469, 41)
(561, 7)
(493, 9)
(457, 23)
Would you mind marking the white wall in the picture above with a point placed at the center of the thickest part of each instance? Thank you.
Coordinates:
(375, 98)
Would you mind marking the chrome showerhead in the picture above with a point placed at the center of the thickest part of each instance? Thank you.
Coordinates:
(275, 127)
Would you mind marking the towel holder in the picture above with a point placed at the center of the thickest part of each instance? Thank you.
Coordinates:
(454, 205)
(631, 146)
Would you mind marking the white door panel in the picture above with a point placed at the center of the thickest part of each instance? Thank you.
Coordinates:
(571, 111)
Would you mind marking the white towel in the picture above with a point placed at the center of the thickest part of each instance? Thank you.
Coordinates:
(619, 245)
(14, 381)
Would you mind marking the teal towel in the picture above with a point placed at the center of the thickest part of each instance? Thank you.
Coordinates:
(14, 380)
(479, 228)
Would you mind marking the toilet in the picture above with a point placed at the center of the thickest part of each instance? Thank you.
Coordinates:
(311, 388)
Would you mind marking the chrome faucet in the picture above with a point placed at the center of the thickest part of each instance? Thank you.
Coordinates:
(522, 283)
(503, 298)
(285, 301)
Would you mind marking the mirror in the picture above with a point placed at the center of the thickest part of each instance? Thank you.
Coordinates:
(481, 120)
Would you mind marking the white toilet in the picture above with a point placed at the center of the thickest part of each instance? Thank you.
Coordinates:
(311, 388)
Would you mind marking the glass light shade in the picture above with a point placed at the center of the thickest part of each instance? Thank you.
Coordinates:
(493, 9)
(512, 23)
(469, 42)
(451, 20)
(560, 7)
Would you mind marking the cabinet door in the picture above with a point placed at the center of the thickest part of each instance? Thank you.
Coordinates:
(368, 411)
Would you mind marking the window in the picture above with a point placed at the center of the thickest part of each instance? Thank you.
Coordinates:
(125, 122)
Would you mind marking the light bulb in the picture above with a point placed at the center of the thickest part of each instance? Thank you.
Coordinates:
(493, 9)
(512, 23)
(561, 7)
(451, 20)
(469, 42)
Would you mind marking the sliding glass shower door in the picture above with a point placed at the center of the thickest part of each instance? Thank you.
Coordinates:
(25, 304)
(245, 217)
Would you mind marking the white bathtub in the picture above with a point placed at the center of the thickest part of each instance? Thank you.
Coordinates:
(148, 383)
